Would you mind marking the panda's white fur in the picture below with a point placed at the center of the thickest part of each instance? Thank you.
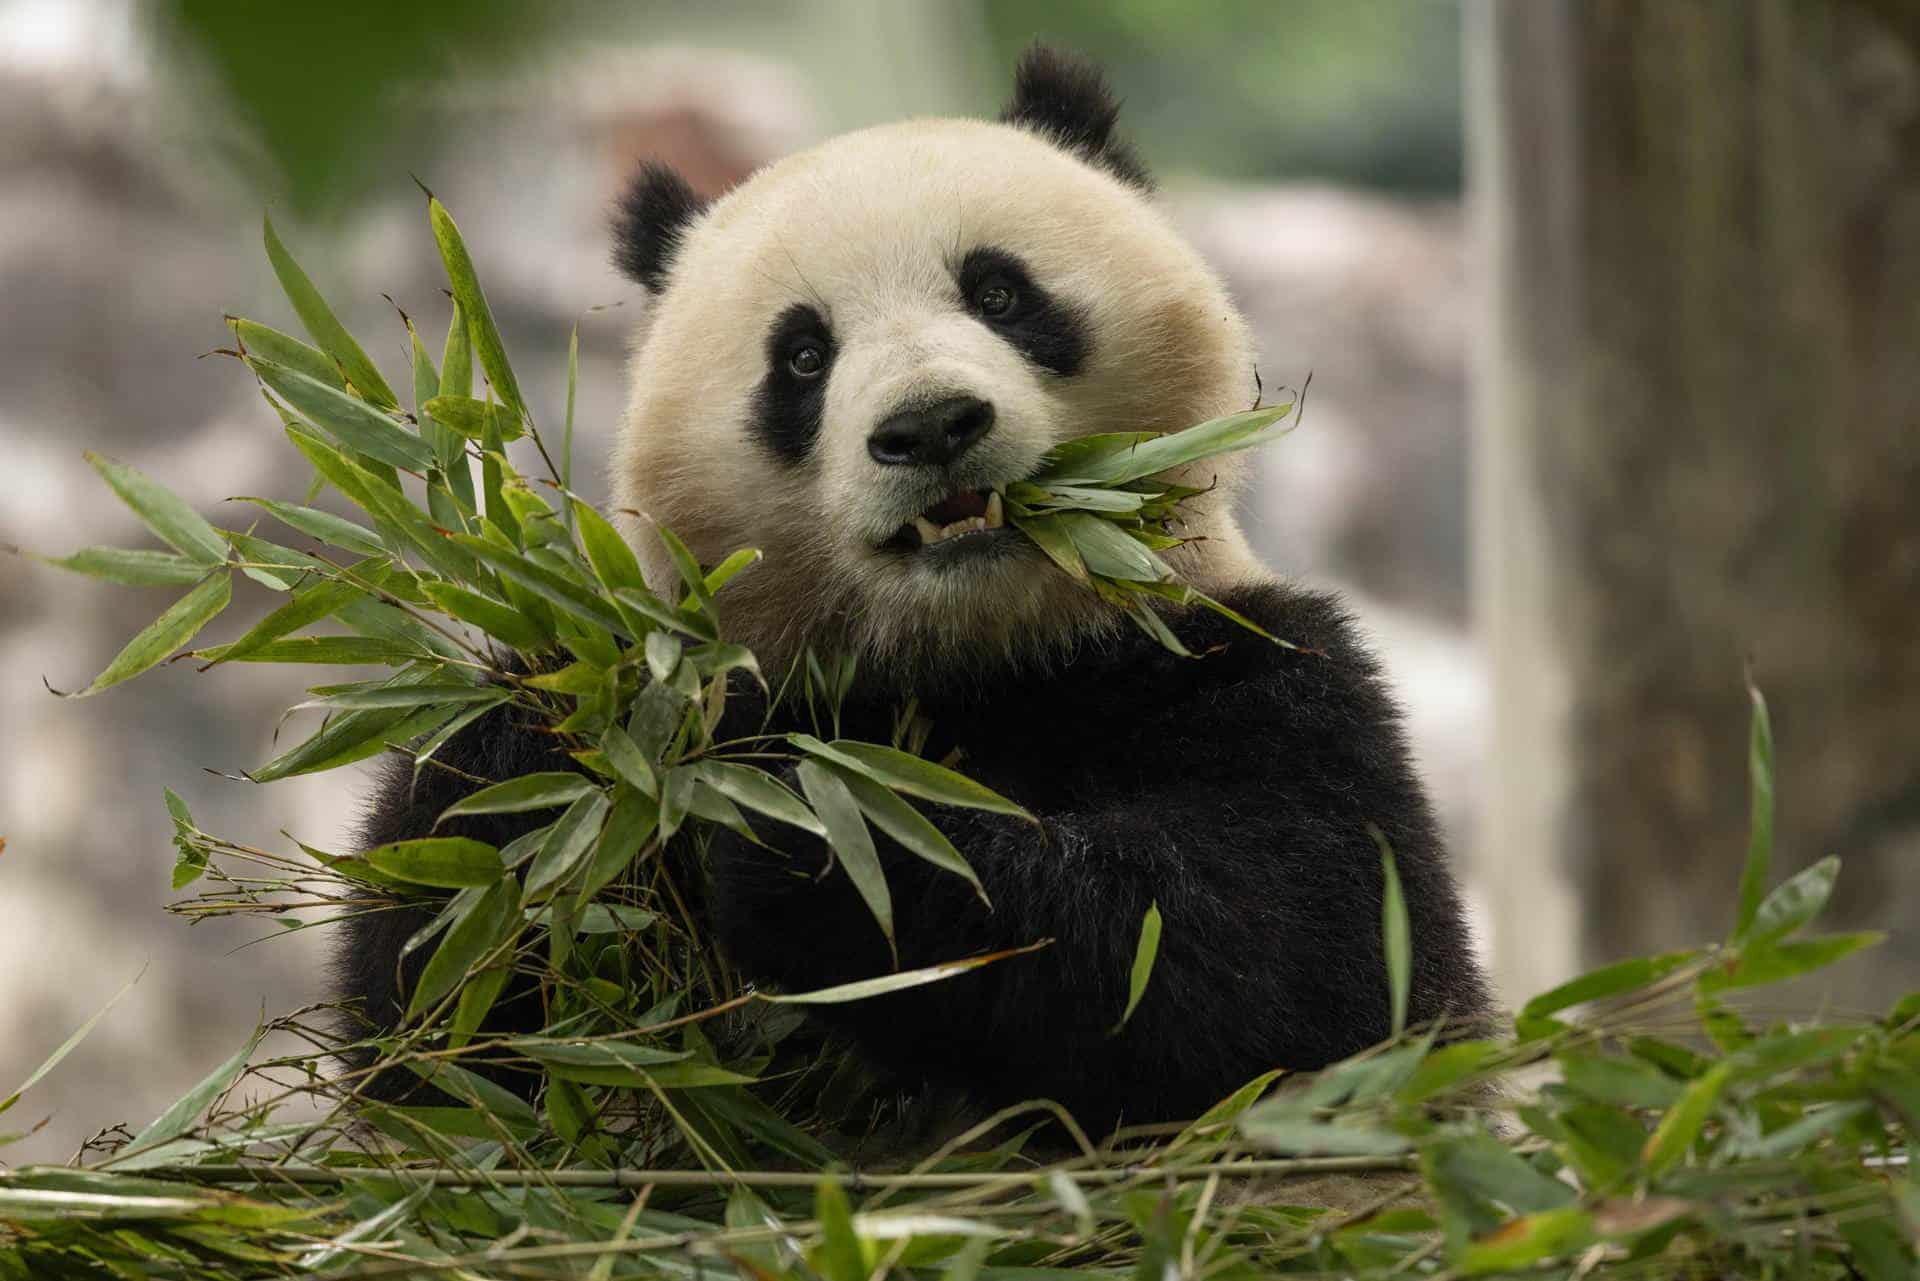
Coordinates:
(868, 228)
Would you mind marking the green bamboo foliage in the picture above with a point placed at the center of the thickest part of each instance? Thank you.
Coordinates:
(668, 1121)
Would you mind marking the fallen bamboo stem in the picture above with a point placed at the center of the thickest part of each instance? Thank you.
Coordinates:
(851, 1179)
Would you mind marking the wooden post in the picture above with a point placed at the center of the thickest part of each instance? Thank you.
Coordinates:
(1698, 443)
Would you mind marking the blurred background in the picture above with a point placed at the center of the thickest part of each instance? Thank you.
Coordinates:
(1610, 309)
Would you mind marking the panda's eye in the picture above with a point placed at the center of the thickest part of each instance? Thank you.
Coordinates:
(807, 362)
(996, 300)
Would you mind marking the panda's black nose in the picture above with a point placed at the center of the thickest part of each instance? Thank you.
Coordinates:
(931, 435)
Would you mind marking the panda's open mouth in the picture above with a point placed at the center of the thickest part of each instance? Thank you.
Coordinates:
(965, 515)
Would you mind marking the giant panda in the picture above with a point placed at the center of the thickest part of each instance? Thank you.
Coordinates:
(844, 360)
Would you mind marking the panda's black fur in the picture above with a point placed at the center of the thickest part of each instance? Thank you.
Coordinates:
(648, 221)
(1067, 100)
(1235, 790)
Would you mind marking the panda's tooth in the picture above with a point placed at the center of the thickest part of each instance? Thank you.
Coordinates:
(994, 518)
(929, 532)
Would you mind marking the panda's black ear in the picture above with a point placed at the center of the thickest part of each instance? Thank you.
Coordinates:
(1065, 98)
(649, 221)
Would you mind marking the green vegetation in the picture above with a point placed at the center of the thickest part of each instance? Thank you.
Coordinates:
(1637, 1121)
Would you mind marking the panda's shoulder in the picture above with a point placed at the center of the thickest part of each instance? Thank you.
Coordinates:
(1311, 636)
(1307, 619)
(1311, 667)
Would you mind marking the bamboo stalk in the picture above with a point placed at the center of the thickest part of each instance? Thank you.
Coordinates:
(855, 1180)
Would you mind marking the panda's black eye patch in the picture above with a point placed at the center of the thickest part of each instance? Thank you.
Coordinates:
(997, 287)
(793, 392)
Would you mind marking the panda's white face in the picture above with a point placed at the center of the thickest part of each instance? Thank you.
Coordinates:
(855, 352)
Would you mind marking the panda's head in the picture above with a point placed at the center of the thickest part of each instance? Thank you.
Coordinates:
(846, 358)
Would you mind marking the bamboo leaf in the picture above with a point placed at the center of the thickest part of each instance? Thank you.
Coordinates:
(1793, 903)
(344, 650)
(654, 610)
(426, 379)
(1797, 1136)
(570, 597)
(348, 419)
(1084, 498)
(456, 357)
(723, 573)
(165, 513)
(323, 326)
(341, 741)
(132, 567)
(440, 737)
(761, 792)
(1148, 620)
(1115, 462)
(1753, 876)
(1682, 1124)
(1049, 533)
(308, 606)
(1397, 936)
(597, 1062)
(1293, 1134)
(325, 526)
(1086, 453)
(704, 802)
(623, 1063)
(717, 659)
(566, 434)
(1480, 1166)
(170, 632)
(472, 300)
(477, 998)
(852, 842)
(1530, 1240)
(426, 694)
(885, 984)
(284, 349)
(568, 844)
(908, 773)
(448, 862)
(471, 418)
(689, 568)
(382, 500)
(488, 923)
(1447, 1067)
(676, 799)
(179, 1118)
(456, 379)
(497, 619)
(527, 792)
(613, 562)
(1622, 1082)
(1757, 966)
(66, 1047)
(1143, 957)
(1110, 551)
(663, 655)
(912, 829)
(635, 818)
(840, 1256)
(1607, 981)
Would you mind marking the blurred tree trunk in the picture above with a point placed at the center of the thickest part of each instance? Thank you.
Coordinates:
(1699, 444)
